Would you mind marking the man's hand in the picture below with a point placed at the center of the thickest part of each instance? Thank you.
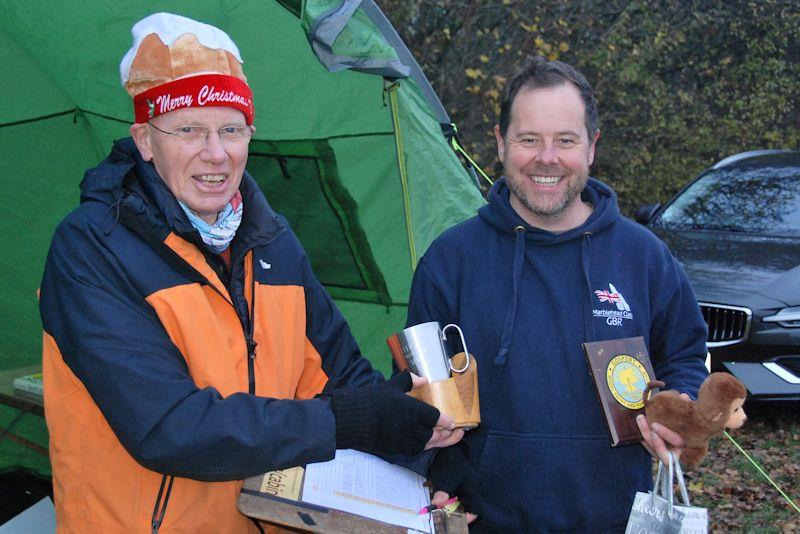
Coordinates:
(445, 432)
(450, 474)
(440, 498)
(382, 419)
(659, 440)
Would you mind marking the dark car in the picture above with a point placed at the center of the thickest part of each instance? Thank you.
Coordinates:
(736, 231)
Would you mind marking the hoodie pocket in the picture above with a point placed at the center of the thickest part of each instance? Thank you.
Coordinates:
(550, 483)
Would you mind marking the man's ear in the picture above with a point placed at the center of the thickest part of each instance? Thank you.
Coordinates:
(501, 144)
(592, 146)
(141, 136)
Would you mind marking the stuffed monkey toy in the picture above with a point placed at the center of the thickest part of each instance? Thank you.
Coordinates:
(718, 406)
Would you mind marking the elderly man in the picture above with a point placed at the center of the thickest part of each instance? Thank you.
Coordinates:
(187, 343)
(529, 279)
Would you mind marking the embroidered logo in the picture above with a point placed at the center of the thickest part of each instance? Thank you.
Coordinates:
(151, 108)
(612, 296)
(265, 265)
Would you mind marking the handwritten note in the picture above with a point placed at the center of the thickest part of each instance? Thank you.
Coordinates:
(368, 486)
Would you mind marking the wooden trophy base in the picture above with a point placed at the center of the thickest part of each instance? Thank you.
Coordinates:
(457, 396)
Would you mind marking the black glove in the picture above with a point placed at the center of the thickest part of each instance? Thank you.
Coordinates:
(380, 418)
(451, 472)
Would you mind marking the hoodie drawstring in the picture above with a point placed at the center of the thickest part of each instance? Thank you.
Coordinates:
(519, 260)
(586, 250)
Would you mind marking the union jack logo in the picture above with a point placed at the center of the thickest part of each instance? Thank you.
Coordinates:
(613, 296)
(607, 296)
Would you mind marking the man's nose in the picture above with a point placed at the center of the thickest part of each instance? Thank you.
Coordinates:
(548, 154)
(214, 149)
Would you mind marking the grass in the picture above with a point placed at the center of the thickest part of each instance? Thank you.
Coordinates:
(738, 497)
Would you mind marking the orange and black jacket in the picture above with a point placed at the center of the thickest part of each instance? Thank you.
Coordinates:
(168, 376)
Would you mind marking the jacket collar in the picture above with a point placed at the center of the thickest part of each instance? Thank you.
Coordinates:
(125, 180)
(500, 214)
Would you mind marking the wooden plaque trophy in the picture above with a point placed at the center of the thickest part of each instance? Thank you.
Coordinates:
(621, 369)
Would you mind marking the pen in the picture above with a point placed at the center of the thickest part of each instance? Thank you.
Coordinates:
(432, 507)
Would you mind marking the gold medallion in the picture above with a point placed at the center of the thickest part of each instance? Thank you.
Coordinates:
(627, 379)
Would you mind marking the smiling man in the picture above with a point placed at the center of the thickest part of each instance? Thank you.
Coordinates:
(547, 265)
(546, 153)
(187, 343)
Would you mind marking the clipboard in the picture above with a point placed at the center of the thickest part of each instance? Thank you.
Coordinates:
(275, 499)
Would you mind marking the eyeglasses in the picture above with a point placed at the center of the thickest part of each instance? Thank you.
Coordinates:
(197, 136)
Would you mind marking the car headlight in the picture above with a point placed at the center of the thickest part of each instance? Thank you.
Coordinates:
(787, 317)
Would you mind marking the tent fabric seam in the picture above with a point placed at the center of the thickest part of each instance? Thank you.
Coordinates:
(398, 136)
(39, 118)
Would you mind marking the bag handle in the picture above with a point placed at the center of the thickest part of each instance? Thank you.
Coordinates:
(664, 485)
(681, 482)
(660, 487)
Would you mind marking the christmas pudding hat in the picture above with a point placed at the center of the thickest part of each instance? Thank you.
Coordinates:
(177, 62)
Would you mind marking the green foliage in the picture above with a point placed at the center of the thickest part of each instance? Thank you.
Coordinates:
(680, 85)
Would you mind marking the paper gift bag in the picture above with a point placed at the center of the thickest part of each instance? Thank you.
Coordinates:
(655, 512)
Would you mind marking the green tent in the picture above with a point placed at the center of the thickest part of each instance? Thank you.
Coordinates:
(352, 145)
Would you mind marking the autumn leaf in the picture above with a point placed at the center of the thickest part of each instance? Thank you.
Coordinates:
(473, 74)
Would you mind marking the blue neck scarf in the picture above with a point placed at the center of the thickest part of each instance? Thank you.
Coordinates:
(218, 236)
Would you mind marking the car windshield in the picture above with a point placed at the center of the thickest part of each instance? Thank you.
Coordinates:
(761, 200)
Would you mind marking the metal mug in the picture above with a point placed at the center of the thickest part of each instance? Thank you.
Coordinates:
(420, 348)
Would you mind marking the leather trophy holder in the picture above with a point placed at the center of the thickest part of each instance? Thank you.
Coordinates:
(456, 396)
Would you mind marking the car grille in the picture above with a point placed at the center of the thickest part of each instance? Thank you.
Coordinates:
(727, 325)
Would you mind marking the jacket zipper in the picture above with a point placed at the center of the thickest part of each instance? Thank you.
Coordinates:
(191, 273)
(247, 321)
(251, 343)
(161, 507)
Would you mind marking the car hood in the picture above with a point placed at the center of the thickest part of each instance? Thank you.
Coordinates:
(722, 265)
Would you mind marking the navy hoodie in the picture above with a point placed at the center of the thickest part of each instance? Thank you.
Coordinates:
(526, 299)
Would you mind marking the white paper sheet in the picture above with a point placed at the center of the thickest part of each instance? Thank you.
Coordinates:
(39, 518)
(368, 486)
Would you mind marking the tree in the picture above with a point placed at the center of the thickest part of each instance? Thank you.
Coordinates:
(680, 85)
